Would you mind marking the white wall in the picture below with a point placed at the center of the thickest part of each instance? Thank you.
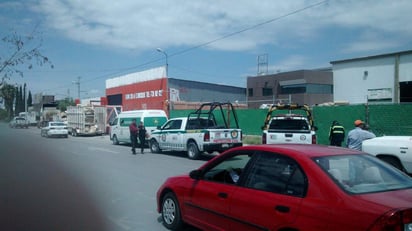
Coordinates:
(351, 84)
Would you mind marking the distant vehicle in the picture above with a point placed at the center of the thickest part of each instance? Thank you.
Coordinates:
(213, 127)
(289, 127)
(119, 128)
(18, 122)
(84, 120)
(289, 187)
(396, 150)
(30, 117)
(54, 129)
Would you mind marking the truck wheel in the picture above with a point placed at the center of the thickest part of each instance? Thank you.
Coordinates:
(115, 141)
(192, 150)
(154, 146)
(394, 162)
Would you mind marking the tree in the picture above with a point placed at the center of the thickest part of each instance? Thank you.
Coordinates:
(8, 92)
(20, 50)
(29, 100)
(62, 104)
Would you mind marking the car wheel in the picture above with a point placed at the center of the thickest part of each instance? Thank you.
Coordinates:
(394, 162)
(192, 150)
(171, 216)
(154, 146)
(115, 141)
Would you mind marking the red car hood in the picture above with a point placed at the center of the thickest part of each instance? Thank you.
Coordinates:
(391, 199)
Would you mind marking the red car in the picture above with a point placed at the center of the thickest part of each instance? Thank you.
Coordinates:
(289, 187)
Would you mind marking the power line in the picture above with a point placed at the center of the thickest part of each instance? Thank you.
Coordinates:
(211, 41)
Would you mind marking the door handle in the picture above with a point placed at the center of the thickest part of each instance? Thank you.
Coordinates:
(222, 195)
(282, 208)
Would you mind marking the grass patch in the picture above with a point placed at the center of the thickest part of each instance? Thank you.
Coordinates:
(252, 139)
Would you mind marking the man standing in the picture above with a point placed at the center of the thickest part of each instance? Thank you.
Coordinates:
(357, 135)
(142, 136)
(133, 135)
(336, 134)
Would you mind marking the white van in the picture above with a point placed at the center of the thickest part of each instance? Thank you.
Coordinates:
(119, 128)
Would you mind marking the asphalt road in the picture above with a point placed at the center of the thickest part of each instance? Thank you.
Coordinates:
(80, 183)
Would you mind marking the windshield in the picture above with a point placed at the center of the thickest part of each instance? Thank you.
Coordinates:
(57, 124)
(363, 173)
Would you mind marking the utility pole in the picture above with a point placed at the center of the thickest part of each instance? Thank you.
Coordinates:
(78, 86)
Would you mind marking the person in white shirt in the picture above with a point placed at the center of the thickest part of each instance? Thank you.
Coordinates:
(357, 135)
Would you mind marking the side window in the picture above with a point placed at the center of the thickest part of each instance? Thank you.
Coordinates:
(168, 125)
(230, 170)
(278, 174)
(176, 124)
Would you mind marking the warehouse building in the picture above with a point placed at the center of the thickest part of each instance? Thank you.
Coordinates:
(374, 79)
(151, 89)
(302, 87)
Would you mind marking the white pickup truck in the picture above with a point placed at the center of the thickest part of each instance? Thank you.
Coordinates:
(199, 132)
(289, 127)
(395, 150)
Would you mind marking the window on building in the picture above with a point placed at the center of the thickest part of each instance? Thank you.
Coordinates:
(307, 88)
(267, 91)
(293, 89)
(250, 91)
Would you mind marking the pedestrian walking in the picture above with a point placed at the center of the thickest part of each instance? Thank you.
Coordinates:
(133, 135)
(357, 135)
(142, 136)
(336, 134)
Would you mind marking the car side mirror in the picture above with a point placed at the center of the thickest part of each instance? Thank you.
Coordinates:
(195, 174)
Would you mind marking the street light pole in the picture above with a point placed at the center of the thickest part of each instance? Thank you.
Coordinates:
(167, 63)
(167, 79)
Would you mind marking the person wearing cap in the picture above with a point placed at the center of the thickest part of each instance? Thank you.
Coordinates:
(357, 135)
(336, 134)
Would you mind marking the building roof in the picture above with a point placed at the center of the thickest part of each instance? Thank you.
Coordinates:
(372, 57)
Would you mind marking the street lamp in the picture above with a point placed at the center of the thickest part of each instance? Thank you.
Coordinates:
(167, 79)
(167, 64)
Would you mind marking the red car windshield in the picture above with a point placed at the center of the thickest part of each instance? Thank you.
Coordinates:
(363, 173)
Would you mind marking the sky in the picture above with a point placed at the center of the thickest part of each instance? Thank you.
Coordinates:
(211, 41)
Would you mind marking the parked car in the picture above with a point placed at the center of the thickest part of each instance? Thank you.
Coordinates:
(18, 122)
(289, 187)
(54, 129)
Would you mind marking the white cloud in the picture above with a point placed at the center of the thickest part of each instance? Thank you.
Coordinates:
(140, 25)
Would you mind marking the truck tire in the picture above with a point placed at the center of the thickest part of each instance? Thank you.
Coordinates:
(154, 146)
(192, 150)
(115, 141)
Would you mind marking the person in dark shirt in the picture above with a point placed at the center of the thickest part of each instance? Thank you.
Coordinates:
(142, 136)
(336, 134)
(133, 135)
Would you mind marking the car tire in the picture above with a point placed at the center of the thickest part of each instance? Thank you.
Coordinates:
(171, 215)
(192, 150)
(394, 162)
(154, 146)
(115, 141)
